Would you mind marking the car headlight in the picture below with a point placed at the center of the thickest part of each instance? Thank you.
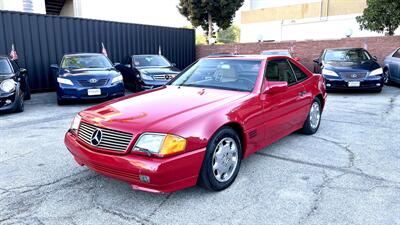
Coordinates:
(329, 73)
(75, 123)
(376, 72)
(64, 81)
(160, 144)
(146, 77)
(117, 79)
(8, 85)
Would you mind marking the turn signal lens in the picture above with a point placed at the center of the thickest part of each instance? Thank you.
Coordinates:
(172, 144)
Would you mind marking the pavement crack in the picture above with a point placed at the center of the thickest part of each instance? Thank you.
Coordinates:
(391, 103)
(147, 219)
(39, 186)
(344, 146)
(356, 172)
(116, 213)
(318, 191)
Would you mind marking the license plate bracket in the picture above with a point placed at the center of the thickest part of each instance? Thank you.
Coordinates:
(94, 92)
(353, 83)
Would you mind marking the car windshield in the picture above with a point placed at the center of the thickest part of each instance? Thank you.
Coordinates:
(280, 53)
(5, 67)
(229, 74)
(150, 61)
(346, 55)
(85, 61)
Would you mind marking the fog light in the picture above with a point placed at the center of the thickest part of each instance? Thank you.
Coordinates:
(8, 101)
(328, 85)
(144, 179)
(378, 84)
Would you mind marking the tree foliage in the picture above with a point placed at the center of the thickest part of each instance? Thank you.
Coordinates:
(381, 16)
(206, 13)
(229, 35)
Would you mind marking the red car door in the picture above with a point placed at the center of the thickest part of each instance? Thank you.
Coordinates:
(283, 111)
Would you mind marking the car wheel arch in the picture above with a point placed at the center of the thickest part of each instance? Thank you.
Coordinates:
(238, 128)
(321, 99)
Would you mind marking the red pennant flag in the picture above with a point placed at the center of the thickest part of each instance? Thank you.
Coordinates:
(103, 49)
(13, 53)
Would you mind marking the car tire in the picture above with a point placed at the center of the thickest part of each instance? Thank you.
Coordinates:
(60, 102)
(27, 90)
(20, 104)
(224, 147)
(313, 120)
(386, 77)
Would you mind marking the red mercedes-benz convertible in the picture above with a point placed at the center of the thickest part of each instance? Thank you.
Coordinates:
(198, 127)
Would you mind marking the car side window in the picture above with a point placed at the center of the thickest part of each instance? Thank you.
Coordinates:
(300, 75)
(397, 53)
(15, 66)
(280, 70)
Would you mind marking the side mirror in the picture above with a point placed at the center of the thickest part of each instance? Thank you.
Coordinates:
(375, 58)
(54, 66)
(128, 65)
(316, 60)
(275, 87)
(297, 59)
(173, 64)
(22, 70)
(117, 64)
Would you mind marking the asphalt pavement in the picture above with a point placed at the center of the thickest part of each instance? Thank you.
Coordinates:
(347, 173)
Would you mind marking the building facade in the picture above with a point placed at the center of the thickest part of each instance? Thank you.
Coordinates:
(267, 20)
(32, 6)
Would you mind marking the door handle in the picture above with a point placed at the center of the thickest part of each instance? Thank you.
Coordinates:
(302, 93)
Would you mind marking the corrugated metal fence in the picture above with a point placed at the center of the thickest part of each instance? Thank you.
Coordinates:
(42, 40)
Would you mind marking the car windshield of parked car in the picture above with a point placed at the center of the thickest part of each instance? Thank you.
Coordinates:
(280, 53)
(85, 61)
(150, 61)
(228, 74)
(346, 55)
(5, 67)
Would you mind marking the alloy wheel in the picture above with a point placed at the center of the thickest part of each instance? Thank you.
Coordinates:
(225, 159)
(315, 115)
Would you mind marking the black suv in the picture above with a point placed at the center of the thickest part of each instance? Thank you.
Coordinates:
(14, 86)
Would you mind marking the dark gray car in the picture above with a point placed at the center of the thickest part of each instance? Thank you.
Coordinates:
(392, 67)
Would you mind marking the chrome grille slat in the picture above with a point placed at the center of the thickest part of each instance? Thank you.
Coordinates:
(111, 139)
(353, 76)
(86, 83)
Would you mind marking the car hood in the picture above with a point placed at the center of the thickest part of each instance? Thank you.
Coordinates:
(88, 72)
(158, 70)
(351, 65)
(159, 110)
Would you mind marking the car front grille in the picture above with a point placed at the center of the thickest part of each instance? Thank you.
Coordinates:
(164, 76)
(87, 83)
(353, 76)
(111, 139)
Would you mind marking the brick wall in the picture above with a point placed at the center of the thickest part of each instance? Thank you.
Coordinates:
(308, 50)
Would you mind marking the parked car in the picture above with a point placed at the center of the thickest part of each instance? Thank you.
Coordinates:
(391, 67)
(199, 126)
(143, 72)
(349, 69)
(279, 52)
(14, 86)
(87, 76)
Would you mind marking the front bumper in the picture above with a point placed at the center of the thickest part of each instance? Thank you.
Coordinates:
(166, 174)
(7, 97)
(65, 92)
(369, 83)
(150, 84)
